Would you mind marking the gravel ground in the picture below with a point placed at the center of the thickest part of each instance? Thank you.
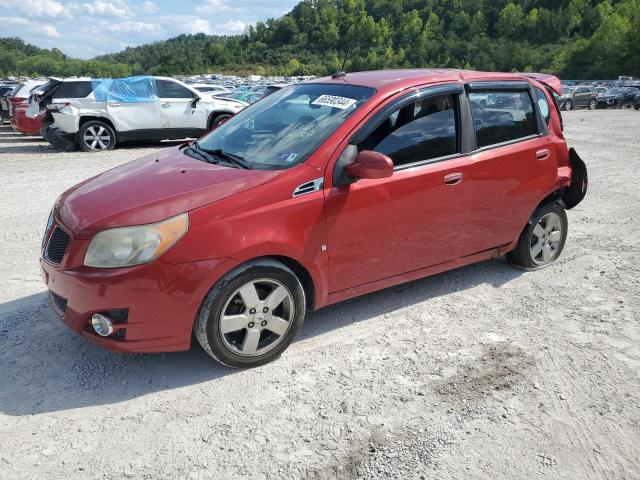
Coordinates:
(485, 372)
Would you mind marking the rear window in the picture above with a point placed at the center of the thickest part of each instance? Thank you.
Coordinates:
(79, 89)
(508, 118)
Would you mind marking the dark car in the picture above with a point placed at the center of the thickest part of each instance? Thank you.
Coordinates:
(636, 102)
(576, 97)
(5, 92)
(618, 97)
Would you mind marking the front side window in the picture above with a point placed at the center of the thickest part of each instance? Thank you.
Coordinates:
(167, 89)
(422, 130)
(509, 118)
(285, 128)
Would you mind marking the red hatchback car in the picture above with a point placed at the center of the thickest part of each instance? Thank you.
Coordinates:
(321, 192)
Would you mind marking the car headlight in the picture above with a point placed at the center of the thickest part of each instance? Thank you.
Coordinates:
(129, 246)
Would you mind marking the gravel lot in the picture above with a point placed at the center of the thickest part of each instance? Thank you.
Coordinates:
(481, 373)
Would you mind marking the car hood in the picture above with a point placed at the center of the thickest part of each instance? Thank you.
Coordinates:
(608, 97)
(151, 189)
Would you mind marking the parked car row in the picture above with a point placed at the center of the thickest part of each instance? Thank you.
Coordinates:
(98, 114)
(583, 96)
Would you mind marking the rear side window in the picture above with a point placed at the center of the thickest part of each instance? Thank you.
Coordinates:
(73, 90)
(423, 130)
(507, 118)
(167, 89)
(543, 105)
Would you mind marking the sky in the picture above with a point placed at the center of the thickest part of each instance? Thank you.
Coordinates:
(85, 29)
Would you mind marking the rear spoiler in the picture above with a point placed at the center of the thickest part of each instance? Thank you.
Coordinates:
(550, 81)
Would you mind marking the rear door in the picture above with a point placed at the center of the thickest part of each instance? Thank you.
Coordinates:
(513, 165)
(180, 116)
(133, 108)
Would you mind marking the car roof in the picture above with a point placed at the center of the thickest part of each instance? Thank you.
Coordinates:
(394, 79)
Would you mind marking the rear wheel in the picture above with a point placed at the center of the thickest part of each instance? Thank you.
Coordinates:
(96, 136)
(593, 104)
(251, 315)
(543, 239)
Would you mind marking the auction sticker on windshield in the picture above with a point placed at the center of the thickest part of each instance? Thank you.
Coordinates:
(334, 102)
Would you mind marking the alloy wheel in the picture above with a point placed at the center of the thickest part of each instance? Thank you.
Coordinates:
(546, 239)
(97, 138)
(256, 317)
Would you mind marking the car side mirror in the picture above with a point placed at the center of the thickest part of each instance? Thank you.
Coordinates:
(194, 102)
(370, 165)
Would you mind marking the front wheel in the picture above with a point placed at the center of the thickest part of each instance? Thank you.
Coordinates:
(219, 119)
(96, 136)
(542, 240)
(251, 315)
(568, 105)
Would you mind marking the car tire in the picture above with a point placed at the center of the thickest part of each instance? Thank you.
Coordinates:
(568, 105)
(542, 240)
(96, 136)
(239, 327)
(637, 107)
(218, 119)
(593, 104)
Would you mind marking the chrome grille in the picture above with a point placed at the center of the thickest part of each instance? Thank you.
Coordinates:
(57, 246)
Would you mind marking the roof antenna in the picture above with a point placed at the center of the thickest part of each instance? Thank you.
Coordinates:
(342, 73)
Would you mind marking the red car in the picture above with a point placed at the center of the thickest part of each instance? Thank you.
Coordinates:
(23, 123)
(320, 192)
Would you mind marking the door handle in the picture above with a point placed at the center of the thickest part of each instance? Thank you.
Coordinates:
(166, 105)
(453, 178)
(114, 104)
(544, 154)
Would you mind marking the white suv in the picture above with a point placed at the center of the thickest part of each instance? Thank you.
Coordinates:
(136, 109)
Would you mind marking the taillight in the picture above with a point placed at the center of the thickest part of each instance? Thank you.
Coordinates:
(56, 107)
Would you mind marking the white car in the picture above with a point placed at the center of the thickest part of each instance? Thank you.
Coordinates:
(136, 109)
(209, 88)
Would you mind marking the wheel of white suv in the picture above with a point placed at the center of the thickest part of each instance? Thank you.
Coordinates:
(218, 119)
(251, 315)
(96, 136)
(542, 240)
(568, 105)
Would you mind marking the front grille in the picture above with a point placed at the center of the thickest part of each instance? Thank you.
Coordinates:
(59, 302)
(57, 246)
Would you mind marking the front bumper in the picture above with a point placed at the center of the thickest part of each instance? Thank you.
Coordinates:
(60, 141)
(161, 299)
(605, 104)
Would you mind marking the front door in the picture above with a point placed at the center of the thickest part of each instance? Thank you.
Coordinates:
(413, 219)
(180, 116)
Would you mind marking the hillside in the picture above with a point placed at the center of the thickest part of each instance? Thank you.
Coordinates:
(572, 38)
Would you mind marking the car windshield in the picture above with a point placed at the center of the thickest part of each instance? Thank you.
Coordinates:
(613, 91)
(285, 128)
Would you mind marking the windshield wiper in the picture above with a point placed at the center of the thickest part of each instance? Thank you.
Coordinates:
(230, 157)
(203, 154)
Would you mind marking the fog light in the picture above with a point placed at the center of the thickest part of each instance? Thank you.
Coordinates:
(102, 325)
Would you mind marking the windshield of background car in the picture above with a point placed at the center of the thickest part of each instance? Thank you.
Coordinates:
(286, 127)
(613, 91)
